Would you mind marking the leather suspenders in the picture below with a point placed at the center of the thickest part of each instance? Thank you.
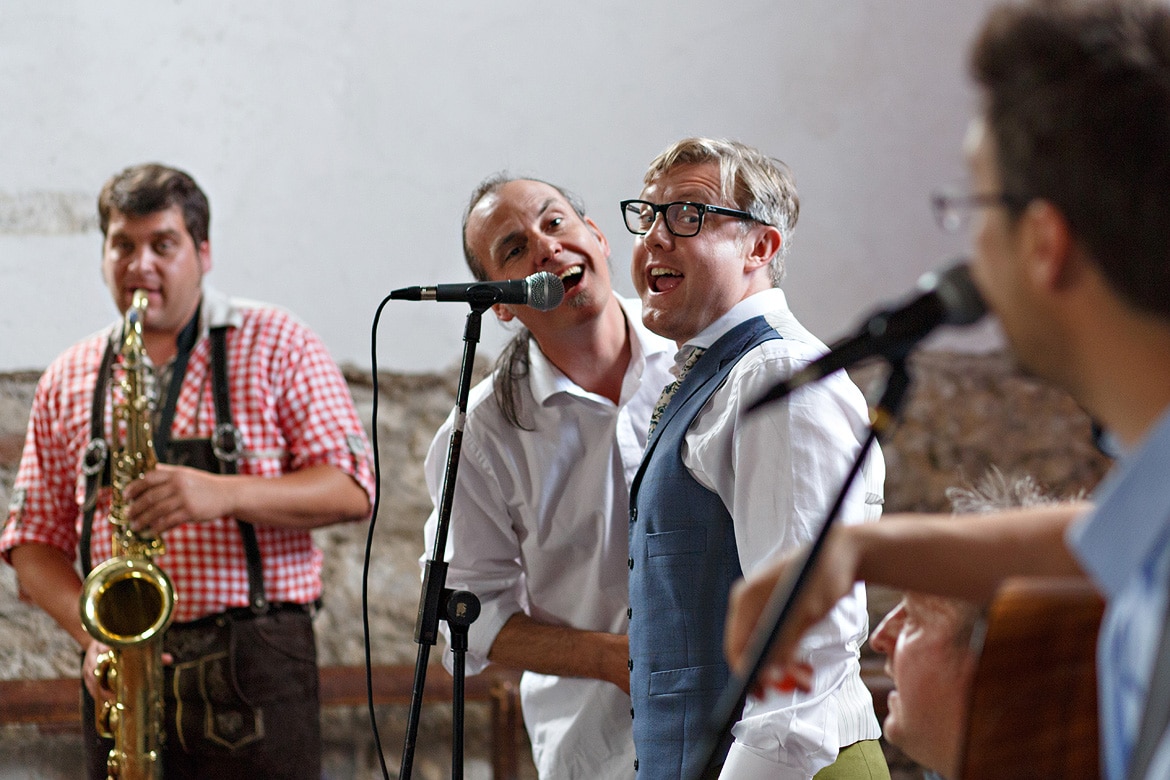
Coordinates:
(227, 445)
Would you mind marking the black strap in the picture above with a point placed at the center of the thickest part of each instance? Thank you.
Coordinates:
(226, 443)
(1156, 716)
(97, 457)
(185, 343)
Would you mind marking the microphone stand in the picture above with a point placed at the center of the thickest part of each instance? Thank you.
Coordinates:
(779, 607)
(436, 601)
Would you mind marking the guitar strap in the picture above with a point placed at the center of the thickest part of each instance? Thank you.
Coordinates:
(1156, 716)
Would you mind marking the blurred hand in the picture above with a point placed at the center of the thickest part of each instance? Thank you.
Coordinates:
(96, 688)
(831, 578)
(617, 661)
(89, 677)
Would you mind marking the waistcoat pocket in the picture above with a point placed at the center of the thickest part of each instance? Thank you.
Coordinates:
(679, 542)
(695, 678)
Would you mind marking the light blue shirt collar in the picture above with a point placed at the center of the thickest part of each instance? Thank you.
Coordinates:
(1132, 506)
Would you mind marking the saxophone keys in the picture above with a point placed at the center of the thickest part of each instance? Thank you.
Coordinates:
(106, 720)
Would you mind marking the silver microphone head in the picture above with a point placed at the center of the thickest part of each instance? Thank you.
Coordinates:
(956, 292)
(545, 291)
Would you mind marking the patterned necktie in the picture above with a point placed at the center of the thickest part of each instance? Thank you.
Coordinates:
(669, 391)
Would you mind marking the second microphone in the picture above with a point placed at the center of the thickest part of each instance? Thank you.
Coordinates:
(542, 291)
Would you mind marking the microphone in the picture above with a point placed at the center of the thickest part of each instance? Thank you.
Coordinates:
(948, 297)
(542, 291)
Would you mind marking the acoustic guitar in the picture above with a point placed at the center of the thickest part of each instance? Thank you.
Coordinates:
(1033, 711)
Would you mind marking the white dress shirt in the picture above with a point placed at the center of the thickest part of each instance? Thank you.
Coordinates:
(540, 524)
(778, 471)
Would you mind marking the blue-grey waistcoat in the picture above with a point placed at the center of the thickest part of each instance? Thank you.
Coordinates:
(683, 561)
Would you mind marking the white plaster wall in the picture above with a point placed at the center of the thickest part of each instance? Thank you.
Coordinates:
(338, 140)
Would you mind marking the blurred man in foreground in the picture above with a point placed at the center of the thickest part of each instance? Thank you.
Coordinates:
(1070, 168)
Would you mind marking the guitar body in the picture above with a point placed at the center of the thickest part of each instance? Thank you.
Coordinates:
(1033, 711)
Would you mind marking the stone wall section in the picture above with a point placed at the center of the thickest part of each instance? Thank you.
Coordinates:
(964, 413)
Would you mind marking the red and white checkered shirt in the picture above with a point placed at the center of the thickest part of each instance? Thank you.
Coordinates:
(293, 409)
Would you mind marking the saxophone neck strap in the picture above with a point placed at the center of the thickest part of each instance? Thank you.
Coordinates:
(184, 344)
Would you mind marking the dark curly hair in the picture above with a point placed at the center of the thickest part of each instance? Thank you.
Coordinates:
(144, 189)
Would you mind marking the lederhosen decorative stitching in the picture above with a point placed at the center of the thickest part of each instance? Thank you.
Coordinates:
(226, 445)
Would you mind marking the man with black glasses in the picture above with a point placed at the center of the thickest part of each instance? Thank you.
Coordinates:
(720, 492)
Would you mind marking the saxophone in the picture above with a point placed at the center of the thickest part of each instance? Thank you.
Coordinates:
(127, 601)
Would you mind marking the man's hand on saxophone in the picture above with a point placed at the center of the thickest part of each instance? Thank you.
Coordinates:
(169, 496)
(313, 496)
(100, 691)
(95, 682)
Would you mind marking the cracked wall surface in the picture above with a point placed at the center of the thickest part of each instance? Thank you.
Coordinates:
(47, 213)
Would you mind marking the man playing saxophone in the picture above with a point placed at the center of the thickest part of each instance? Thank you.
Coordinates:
(257, 441)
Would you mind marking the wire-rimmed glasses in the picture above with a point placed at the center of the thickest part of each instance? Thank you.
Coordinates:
(952, 207)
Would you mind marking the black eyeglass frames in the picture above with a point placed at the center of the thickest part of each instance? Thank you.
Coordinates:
(683, 218)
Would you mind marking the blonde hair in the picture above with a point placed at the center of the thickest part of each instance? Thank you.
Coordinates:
(996, 491)
(762, 186)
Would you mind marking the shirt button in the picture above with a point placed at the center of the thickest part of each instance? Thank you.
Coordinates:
(630, 664)
(634, 515)
(630, 562)
(629, 612)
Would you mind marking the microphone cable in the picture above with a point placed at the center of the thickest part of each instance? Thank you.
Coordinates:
(370, 537)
